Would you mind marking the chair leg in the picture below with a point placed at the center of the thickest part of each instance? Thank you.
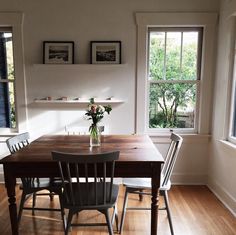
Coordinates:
(69, 219)
(140, 195)
(51, 195)
(62, 211)
(116, 218)
(33, 203)
(165, 194)
(124, 210)
(22, 201)
(108, 222)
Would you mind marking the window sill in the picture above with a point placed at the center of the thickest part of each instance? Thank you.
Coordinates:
(228, 144)
(188, 138)
(7, 132)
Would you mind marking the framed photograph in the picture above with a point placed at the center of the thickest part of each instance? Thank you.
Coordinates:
(58, 52)
(105, 52)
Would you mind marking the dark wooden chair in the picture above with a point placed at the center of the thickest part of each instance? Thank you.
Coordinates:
(79, 193)
(32, 186)
(142, 186)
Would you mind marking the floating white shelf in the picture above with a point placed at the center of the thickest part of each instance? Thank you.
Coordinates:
(79, 66)
(82, 101)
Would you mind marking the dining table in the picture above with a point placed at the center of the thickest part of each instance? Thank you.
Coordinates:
(139, 157)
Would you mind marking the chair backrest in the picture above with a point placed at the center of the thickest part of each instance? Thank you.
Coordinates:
(172, 154)
(17, 142)
(80, 130)
(99, 166)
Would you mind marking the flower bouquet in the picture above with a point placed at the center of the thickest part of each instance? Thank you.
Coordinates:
(96, 113)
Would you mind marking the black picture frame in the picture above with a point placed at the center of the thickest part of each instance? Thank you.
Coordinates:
(58, 52)
(105, 52)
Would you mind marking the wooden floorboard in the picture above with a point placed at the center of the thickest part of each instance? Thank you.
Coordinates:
(195, 211)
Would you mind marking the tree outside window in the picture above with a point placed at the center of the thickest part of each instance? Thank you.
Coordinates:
(174, 73)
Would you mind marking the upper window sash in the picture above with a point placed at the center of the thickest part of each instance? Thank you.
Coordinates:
(181, 30)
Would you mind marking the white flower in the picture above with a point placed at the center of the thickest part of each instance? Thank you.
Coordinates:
(101, 108)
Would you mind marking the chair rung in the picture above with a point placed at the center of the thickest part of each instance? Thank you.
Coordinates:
(90, 224)
(162, 208)
(45, 194)
(143, 193)
(143, 208)
(41, 209)
(137, 208)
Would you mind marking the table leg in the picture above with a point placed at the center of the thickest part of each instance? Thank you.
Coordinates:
(155, 198)
(10, 183)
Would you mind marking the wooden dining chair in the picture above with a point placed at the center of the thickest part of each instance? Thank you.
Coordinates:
(32, 186)
(142, 186)
(81, 194)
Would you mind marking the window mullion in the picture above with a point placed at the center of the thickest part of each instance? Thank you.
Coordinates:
(181, 54)
(165, 56)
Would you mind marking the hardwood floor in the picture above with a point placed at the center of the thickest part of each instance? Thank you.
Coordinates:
(195, 211)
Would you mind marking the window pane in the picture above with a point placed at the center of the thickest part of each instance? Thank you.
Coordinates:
(7, 96)
(12, 105)
(9, 55)
(4, 106)
(173, 56)
(157, 56)
(189, 55)
(172, 105)
(234, 115)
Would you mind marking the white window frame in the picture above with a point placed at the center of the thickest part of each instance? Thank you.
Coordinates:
(15, 21)
(232, 112)
(146, 20)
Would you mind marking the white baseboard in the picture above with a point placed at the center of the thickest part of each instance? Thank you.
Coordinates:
(177, 179)
(188, 179)
(223, 195)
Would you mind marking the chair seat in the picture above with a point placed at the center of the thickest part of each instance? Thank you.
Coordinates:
(143, 183)
(41, 184)
(88, 199)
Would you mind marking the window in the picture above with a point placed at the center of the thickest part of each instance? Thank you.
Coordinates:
(234, 116)
(232, 129)
(173, 77)
(13, 112)
(7, 94)
(180, 21)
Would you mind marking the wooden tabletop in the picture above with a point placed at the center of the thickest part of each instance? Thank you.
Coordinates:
(138, 148)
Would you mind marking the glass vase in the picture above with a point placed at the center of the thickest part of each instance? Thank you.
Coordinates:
(95, 136)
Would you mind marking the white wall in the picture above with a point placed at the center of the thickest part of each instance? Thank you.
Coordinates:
(83, 21)
(222, 174)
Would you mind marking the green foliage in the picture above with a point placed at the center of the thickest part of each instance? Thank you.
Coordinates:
(166, 99)
(10, 76)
